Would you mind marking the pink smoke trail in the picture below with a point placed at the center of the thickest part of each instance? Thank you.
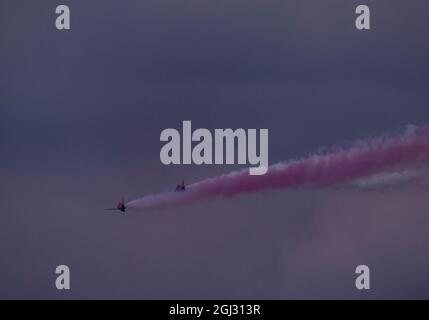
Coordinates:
(363, 159)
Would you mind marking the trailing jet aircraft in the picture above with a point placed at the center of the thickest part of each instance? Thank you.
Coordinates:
(181, 187)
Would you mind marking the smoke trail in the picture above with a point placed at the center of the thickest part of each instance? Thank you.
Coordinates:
(363, 159)
(385, 180)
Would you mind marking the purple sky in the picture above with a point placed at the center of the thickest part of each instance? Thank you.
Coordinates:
(80, 117)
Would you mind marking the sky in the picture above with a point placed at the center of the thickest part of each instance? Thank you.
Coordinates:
(81, 112)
